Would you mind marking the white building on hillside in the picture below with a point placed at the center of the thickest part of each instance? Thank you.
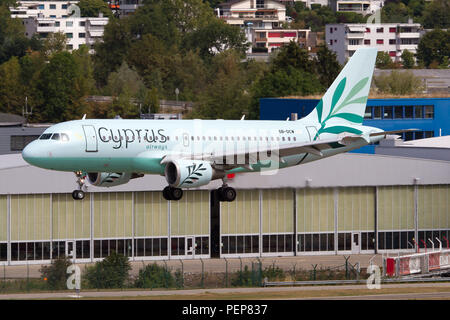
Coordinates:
(358, 6)
(392, 38)
(262, 14)
(78, 31)
(47, 9)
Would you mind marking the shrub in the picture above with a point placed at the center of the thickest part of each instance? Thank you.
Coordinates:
(398, 82)
(56, 273)
(112, 272)
(154, 276)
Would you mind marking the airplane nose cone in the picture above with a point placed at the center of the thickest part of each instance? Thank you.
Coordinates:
(31, 153)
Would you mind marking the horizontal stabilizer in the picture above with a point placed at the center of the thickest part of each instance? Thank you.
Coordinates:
(384, 133)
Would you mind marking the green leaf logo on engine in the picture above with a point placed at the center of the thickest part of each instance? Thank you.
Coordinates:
(193, 173)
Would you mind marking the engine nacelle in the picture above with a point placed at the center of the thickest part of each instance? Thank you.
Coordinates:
(189, 173)
(108, 179)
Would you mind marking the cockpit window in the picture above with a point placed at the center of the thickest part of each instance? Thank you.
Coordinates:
(55, 136)
(64, 137)
(45, 136)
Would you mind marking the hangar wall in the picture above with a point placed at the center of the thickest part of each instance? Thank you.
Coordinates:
(264, 222)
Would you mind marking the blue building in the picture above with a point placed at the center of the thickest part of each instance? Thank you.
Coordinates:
(430, 115)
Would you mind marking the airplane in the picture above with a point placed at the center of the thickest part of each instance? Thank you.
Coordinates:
(192, 153)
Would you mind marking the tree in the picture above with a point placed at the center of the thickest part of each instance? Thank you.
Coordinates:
(395, 12)
(111, 52)
(327, 66)
(291, 55)
(384, 61)
(437, 15)
(407, 59)
(12, 99)
(124, 80)
(398, 82)
(112, 272)
(12, 35)
(56, 273)
(53, 43)
(225, 97)
(433, 47)
(56, 84)
(217, 36)
(92, 8)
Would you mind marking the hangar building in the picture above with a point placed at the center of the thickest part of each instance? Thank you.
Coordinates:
(349, 203)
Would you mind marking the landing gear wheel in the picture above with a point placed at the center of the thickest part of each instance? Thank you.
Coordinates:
(78, 194)
(227, 194)
(171, 193)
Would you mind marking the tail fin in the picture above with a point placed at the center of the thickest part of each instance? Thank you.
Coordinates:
(344, 103)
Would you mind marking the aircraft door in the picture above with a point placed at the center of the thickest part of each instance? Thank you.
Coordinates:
(312, 131)
(91, 138)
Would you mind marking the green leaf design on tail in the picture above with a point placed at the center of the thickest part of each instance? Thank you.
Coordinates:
(334, 111)
(349, 116)
(338, 93)
(319, 109)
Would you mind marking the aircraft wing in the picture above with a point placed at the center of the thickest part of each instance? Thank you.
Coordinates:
(242, 158)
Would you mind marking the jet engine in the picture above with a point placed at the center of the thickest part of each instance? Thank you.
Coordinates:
(190, 173)
(110, 179)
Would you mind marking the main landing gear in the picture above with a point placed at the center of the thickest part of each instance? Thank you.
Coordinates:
(225, 193)
(171, 193)
(79, 194)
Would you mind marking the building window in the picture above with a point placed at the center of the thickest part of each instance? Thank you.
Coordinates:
(368, 30)
(64, 6)
(377, 112)
(69, 23)
(393, 30)
(368, 113)
(53, 6)
(418, 112)
(82, 23)
(429, 112)
(367, 41)
(380, 41)
(331, 30)
(69, 35)
(409, 111)
(388, 112)
(392, 41)
(41, 7)
(392, 53)
(69, 46)
(82, 35)
(380, 30)
(57, 24)
(398, 112)
(18, 143)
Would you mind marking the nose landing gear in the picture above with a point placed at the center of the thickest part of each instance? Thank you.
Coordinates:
(79, 194)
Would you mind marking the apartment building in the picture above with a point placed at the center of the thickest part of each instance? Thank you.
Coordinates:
(392, 38)
(273, 39)
(78, 31)
(358, 6)
(46, 9)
